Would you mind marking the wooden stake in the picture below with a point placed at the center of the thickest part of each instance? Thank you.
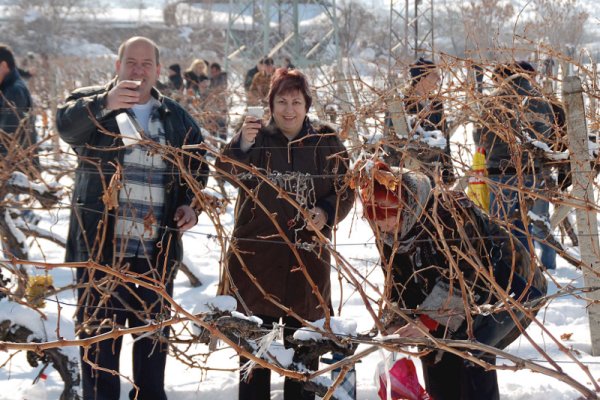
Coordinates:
(583, 193)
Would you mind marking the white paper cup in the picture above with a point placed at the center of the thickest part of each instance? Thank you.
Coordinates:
(256, 112)
(138, 83)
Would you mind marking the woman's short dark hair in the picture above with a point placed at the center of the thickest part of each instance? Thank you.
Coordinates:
(284, 81)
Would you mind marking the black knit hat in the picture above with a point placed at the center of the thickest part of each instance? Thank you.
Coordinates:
(504, 71)
(525, 66)
(420, 69)
(175, 68)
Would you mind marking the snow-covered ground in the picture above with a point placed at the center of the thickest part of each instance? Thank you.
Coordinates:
(562, 316)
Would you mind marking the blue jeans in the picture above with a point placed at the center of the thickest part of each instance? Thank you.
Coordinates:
(506, 206)
(541, 207)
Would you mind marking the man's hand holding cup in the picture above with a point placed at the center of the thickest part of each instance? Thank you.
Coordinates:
(125, 94)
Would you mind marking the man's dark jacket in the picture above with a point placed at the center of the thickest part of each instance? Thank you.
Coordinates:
(512, 116)
(426, 255)
(14, 95)
(99, 151)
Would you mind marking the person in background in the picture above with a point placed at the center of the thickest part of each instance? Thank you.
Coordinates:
(216, 103)
(16, 105)
(218, 78)
(18, 135)
(422, 101)
(258, 262)
(541, 206)
(250, 75)
(514, 117)
(444, 258)
(175, 79)
(425, 111)
(137, 231)
(196, 78)
(261, 83)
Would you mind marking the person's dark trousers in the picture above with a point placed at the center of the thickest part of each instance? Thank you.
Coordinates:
(453, 378)
(127, 305)
(258, 385)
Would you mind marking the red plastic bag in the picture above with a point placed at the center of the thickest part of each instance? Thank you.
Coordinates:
(404, 382)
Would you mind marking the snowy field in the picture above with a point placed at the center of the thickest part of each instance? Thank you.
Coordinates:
(564, 315)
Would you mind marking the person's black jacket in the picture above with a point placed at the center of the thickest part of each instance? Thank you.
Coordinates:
(512, 116)
(427, 114)
(175, 82)
(218, 82)
(193, 81)
(425, 257)
(430, 116)
(99, 152)
(249, 76)
(15, 106)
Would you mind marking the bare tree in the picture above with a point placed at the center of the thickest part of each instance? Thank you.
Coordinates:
(484, 24)
(42, 21)
(560, 23)
(353, 24)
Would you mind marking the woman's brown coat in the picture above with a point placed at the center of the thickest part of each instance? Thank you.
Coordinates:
(261, 268)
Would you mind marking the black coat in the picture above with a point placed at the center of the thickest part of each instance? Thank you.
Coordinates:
(420, 262)
(193, 81)
(430, 116)
(14, 94)
(175, 82)
(99, 152)
(249, 76)
(515, 111)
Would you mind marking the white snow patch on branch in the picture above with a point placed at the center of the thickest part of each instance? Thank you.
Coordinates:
(20, 224)
(16, 232)
(534, 217)
(433, 138)
(18, 314)
(284, 356)
(253, 318)
(218, 303)
(339, 326)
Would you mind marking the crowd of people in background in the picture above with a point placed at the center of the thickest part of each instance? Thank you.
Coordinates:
(203, 88)
(198, 101)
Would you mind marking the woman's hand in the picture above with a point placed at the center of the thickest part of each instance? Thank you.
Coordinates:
(318, 217)
(250, 130)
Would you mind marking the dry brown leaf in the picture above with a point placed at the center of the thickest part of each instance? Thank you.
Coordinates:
(149, 222)
(566, 336)
(348, 122)
(110, 198)
(386, 178)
